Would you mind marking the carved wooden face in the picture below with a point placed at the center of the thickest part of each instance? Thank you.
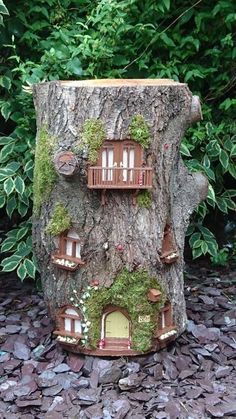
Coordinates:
(66, 163)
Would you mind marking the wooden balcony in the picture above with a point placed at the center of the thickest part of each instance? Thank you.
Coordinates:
(120, 178)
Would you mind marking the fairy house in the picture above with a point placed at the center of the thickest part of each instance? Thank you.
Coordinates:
(112, 201)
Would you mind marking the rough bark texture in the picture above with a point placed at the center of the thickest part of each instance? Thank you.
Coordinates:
(63, 107)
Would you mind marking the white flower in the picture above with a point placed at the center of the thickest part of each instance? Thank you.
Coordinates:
(88, 323)
(71, 299)
(74, 291)
(89, 288)
(95, 288)
(81, 302)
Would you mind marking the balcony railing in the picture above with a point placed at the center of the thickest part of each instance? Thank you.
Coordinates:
(119, 178)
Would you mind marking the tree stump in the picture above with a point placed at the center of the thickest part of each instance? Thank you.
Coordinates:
(109, 237)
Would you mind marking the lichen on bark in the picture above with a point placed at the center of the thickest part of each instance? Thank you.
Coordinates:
(93, 135)
(139, 130)
(44, 172)
(60, 220)
(144, 199)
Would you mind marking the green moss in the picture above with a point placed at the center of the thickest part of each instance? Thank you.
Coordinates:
(144, 199)
(129, 291)
(139, 131)
(93, 135)
(60, 221)
(44, 172)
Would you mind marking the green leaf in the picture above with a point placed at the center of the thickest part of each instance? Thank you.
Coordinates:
(197, 252)
(222, 205)
(204, 247)
(167, 4)
(224, 159)
(22, 232)
(206, 161)
(5, 82)
(22, 208)
(212, 247)
(5, 152)
(19, 185)
(211, 193)
(233, 151)
(30, 268)
(232, 170)
(2, 201)
(9, 264)
(6, 140)
(194, 238)
(206, 232)
(6, 110)
(197, 243)
(7, 244)
(74, 66)
(230, 204)
(9, 186)
(167, 40)
(3, 9)
(210, 173)
(11, 206)
(184, 150)
(21, 271)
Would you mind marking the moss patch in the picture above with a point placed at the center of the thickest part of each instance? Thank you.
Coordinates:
(60, 221)
(144, 199)
(139, 131)
(129, 291)
(93, 135)
(44, 172)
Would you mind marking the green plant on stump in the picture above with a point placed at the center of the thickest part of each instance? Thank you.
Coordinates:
(93, 135)
(129, 291)
(139, 131)
(44, 172)
(144, 199)
(60, 220)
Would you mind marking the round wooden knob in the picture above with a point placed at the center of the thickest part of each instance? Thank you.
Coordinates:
(66, 163)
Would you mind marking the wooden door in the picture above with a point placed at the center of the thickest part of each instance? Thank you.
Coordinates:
(116, 325)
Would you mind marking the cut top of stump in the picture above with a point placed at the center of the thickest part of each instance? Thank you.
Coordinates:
(120, 82)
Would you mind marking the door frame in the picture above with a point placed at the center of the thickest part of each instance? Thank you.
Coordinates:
(109, 310)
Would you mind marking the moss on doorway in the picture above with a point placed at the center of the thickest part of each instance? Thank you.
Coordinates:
(129, 291)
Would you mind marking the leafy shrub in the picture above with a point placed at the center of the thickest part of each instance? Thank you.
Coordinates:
(193, 44)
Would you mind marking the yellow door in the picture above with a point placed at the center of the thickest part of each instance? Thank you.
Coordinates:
(116, 325)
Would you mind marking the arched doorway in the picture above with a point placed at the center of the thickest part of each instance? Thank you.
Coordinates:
(115, 329)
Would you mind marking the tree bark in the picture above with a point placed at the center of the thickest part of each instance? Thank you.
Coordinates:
(63, 107)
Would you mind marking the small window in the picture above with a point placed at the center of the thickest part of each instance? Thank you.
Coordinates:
(71, 244)
(68, 256)
(71, 321)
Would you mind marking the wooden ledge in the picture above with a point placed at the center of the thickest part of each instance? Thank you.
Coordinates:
(120, 83)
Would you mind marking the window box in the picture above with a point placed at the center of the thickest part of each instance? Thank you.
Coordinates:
(66, 262)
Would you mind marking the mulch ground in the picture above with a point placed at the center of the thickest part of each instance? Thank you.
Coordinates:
(194, 378)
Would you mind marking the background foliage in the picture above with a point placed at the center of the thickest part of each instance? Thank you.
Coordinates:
(190, 41)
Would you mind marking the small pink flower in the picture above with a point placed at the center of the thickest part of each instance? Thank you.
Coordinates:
(120, 247)
(166, 146)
